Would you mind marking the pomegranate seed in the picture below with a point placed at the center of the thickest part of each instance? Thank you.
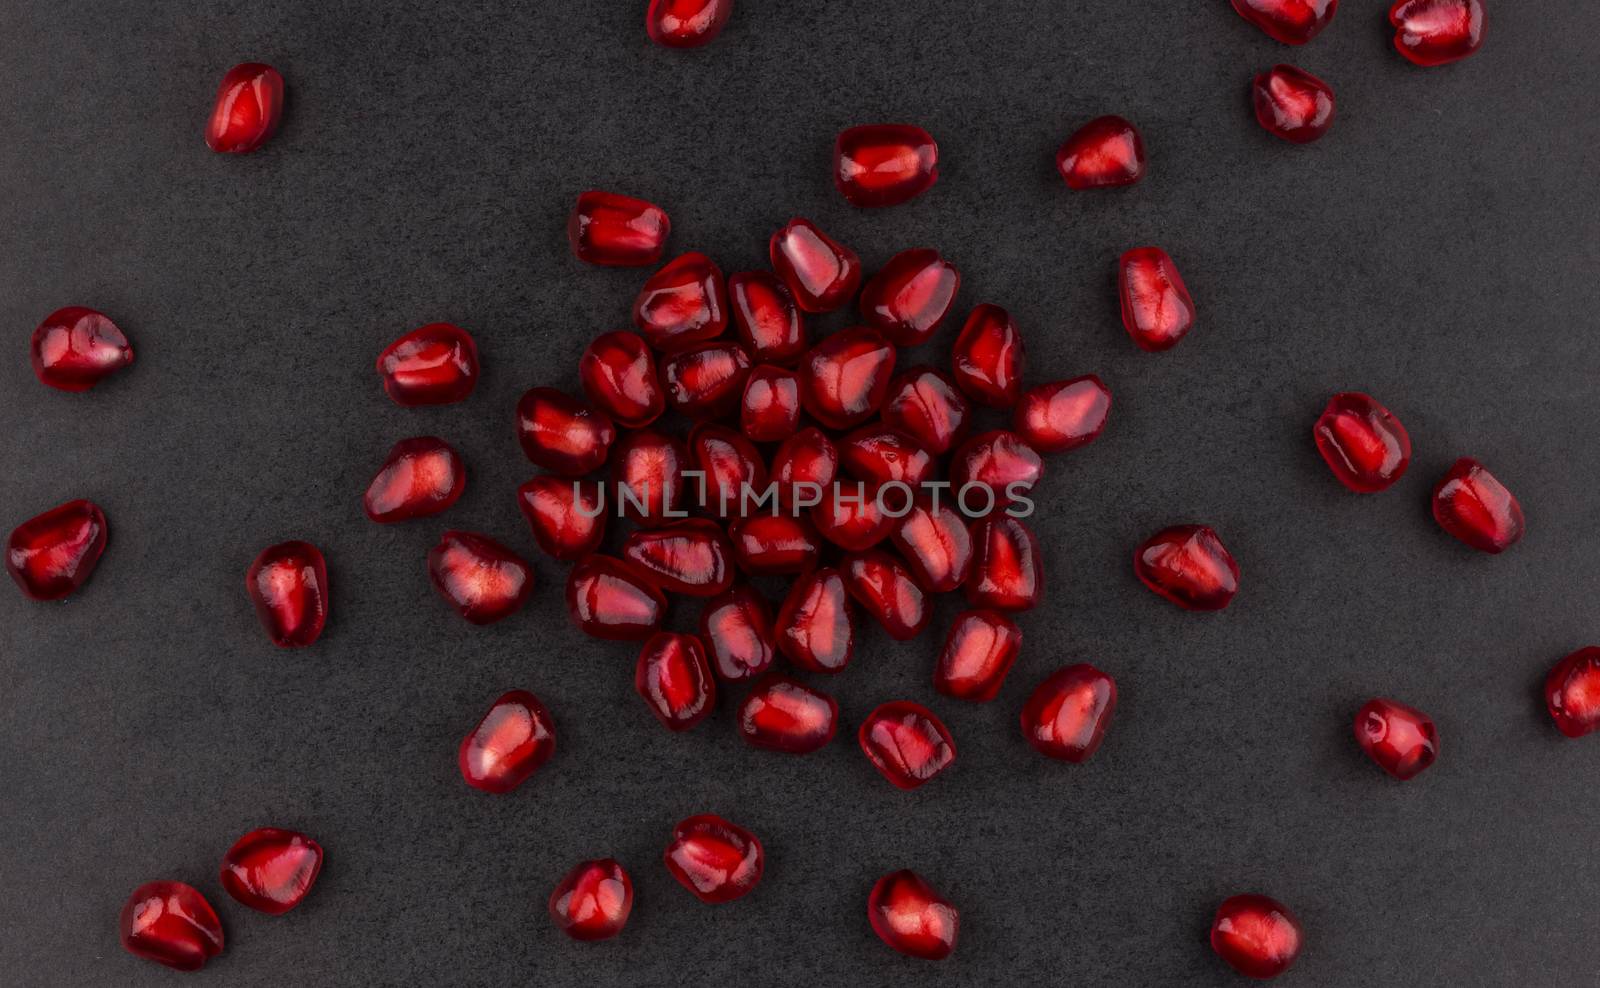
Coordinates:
(593, 901)
(906, 743)
(978, 653)
(617, 231)
(765, 317)
(683, 304)
(804, 468)
(1007, 572)
(1364, 445)
(814, 629)
(1437, 32)
(1572, 692)
(820, 273)
(707, 381)
(927, 406)
(1292, 104)
(768, 545)
(1066, 715)
(172, 924)
(1257, 936)
(420, 478)
(845, 378)
(562, 434)
(613, 599)
(75, 347)
(686, 23)
(731, 465)
(878, 456)
(884, 586)
(1293, 22)
(434, 365)
(909, 298)
(737, 630)
(936, 545)
(675, 680)
(288, 583)
(783, 714)
(1402, 740)
(1104, 153)
(880, 165)
(508, 745)
(988, 358)
(53, 554)
(271, 870)
(1474, 507)
(619, 376)
(716, 860)
(482, 579)
(1063, 415)
(568, 517)
(998, 462)
(770, 409)
(689, 557)
(851, 519)
(248, 107)
(1156, 308)
(1188, 565)
(647, 469)
(908, 915)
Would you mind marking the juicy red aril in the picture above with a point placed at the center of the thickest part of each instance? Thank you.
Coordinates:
(998, 461)
(420, 477)
(247, 109)
(682, 304)
(851, 519)
(988, 357)
(814, 629)
(172, 924)
(1364, 445)
(769, 411)
(434, 365)
(1188, 565)
(647, 470)
(908, 299)
(1474, 507)
(908, 915)
(1104, 153)
(767, 545)
(1007, 572)
(1066, 715)
(568, 517)
(686, 23)
(1063, 415)
(884, 164)
(906, 743)
(675, 680)
(482, 579)
(619, 376)
(884, 586)
(927, 406)
(1156, 308)
(936, 545)
(75, 347)
(806, 458)
(716, 860)
(1401, 739)
(765, 317)
(731, 465)
(737, 630)
(1572, 692)
(509, 744)
(844, 379)
(707, 381)
(820, 273)
(271, 870)
(613, 599)
(617, 231)
(1293, 22)
(782, 714)
(593, 901)
(1257, 936)
(52, 554)
(880, 456)
(562, 434)
(1437, 32)
(978, 653)
(689, 557)
(1292, 104)
(288, 583)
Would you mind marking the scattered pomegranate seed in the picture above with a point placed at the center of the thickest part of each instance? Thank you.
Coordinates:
(806, 458)
(75, 347)
(908, 915)
(482, 579)
(1474, 507)
(684, 303)
(927, 406)
(690, 557)
(617, 231)
(999, 462)
(675, 680)
(568, 518)
(851, 519)
(593, 901)
(1063, 415)
(820, 273)
(737, 629)
(619, 376)
(765, 318)
(1292, 104)
(647, 469)
(936, 545)
(1156, 308)
(172, 924)
(880, 165)
(988, 358)
(884, 586)
(1437, 32)
(1402, 740)
(613, 599)
(978, 653)
(769, 411)
(562, 434)
(1572, 692)
(271, 870)
(1188, 565)
(686, 23)
(1293, 22)
(880, 455)
(783, 714)
(716, 860)
(909, 298)
(706, 382)
(1066, 715)
(1257, 936)
(845, 378)
(1364, 445)
(768, 545)
(731, 465)
(52, 554)
(1007, 571)
(434, 365)
(1104, 153)
(419, 478)
(906, 743)
(248, 106)
(288, 583)
(508, 745)
(814, 629)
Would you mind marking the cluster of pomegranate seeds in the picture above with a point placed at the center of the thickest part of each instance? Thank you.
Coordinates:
(1258, 937)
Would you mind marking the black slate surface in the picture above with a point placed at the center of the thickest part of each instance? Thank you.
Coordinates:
(1438, 249)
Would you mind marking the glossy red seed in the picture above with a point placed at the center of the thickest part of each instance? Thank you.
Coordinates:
(172, 924)
(1156, 308)
(52, 554)
(562, 434)
(927, 406)
(820, 273)
(248, 107)
(593, 901)
(647, 473)
(1364, 445)
(977, 655)
(482, 579)
(75, 347)
(1401, 739)
(814, 629)
(1472, 505)
(706, 382)
(936, 545)
(617, 231)
(434, 365)
(783, 714)
(684, 303)
(674, 679)
(1104, 153)
(1066, 715)
(1437, 32)
(515, 737)
(845, 378)
(1063, 415)
(999, 462)
(420, 478)
(567, 517)
(716, 860)
(1007, 570)
(908, 915)
(906, 743)
(1293, 22)
(908, 299)
(1188, 565)
(804, 468)
(271, 870)
(883, 585)
(686, 23)
(880, 455)
(689, 557)
(288, 583)
(736, 627)
(769, 411)
(1292, 104)
(765, 318)
(619, 376)
(878, 165)
(851, 518)
(732, 466)
(1572, 693)
(988, 358)
(1257, 936)
(768, 545)
(613, 599)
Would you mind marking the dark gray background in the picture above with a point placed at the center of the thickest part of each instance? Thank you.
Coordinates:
(1437, 249)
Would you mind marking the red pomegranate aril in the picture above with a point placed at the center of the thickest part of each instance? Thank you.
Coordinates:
(927, 406)
(988, 358)
(999, 461)
(845, 378)
(936, 545)
(880, 455)
(593, 901)
(1007, 571)
(1364, 445)
(909, 298)
(52, 554)
(647, 472)
(1437, 32)
(567, 517)
(783, 714)
(1189, 566)
(768, 545)
(1063, 415)
(1104, 153)
(1066, 715)
(1293, 22)
(1572, 693)
(1472, 505)
(1258, 937)
(684, 303)
(434, 365)
(884, 586)
(908, 915)
(482, 579)
(878, 165)
(288, 584)
(736, 628)
(1400, 739)
(765, 318)
(514, 738)
(172, 924)
(769, 411)
(906, 743)
(814, 629)
(562, 434)
(732, 467)
(707, 381)
(978, 653)
(820, 273)
(248, 107)
(614, 599)
(74, 348)
(674, 679)
(851, 518)
(420, 478)
(686, 23)
(1156, 308)
(804, 468)
(1292, 104)
(614, 230)
(619, 376)
(689, 557)
(716, 860)
(271, 870)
